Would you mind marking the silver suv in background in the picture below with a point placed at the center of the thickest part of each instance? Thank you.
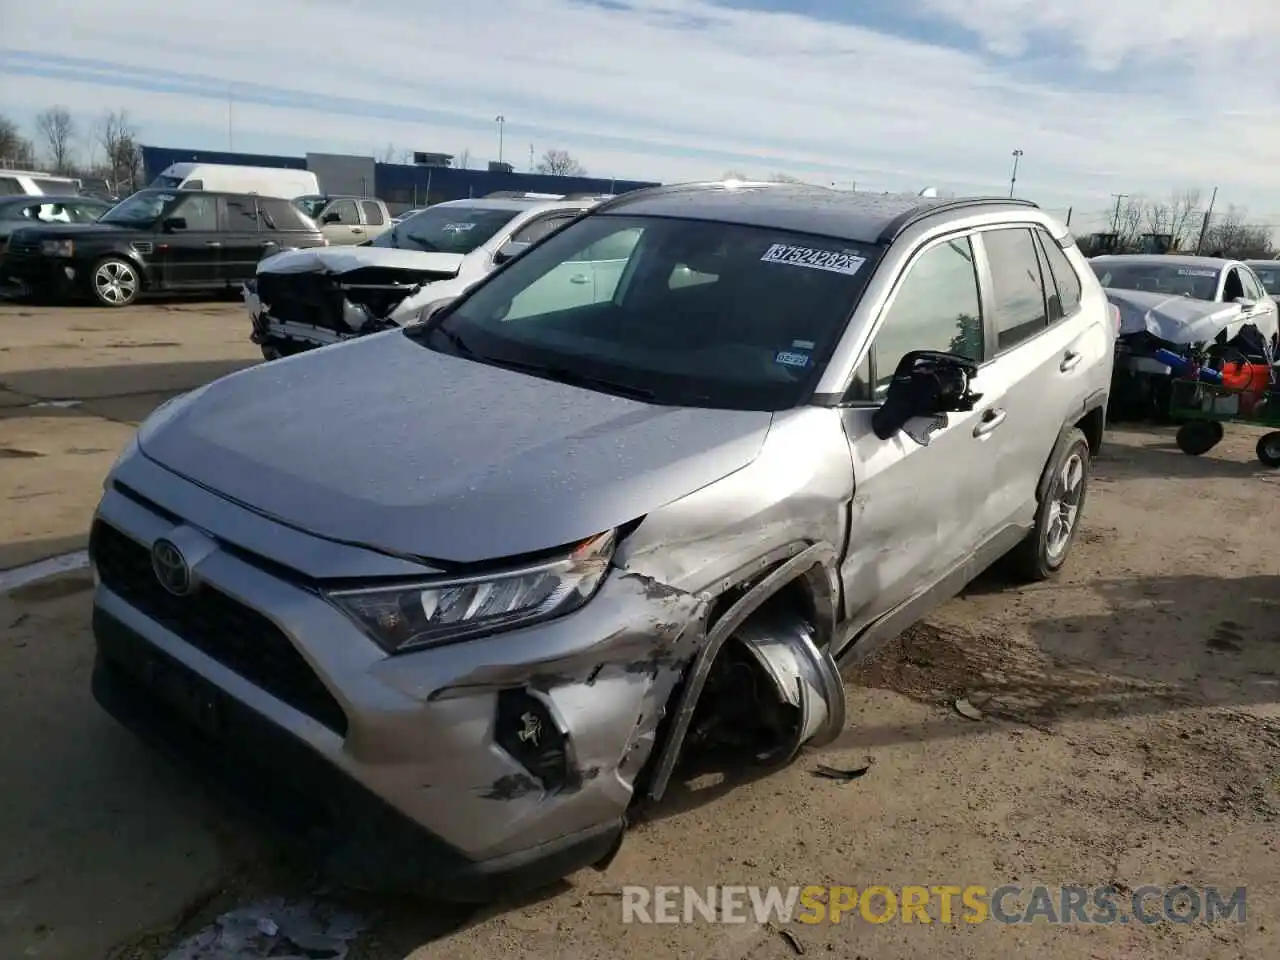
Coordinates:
(476, 589)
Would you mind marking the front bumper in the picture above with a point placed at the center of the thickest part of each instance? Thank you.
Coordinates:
(412, 743)
(55, 276)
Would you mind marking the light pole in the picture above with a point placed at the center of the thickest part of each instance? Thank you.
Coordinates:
(1013, 177)
(500, 120)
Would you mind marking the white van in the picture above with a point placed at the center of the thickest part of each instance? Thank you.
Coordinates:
(266, 181)
(31, 183)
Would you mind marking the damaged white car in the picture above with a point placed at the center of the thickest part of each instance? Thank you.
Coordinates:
(302, 299)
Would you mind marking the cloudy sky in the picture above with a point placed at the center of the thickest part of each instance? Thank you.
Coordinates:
(1102, 96)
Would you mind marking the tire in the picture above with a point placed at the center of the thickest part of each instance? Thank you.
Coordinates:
(1268, 449)
(1044, 551)
(115, 282)
(1197, 437)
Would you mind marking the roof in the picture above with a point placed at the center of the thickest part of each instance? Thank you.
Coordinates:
(1165, 259)
(514, 204)
(858, 217)
(22, 198)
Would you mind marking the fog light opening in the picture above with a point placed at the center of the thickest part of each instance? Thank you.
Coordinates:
(528, 731)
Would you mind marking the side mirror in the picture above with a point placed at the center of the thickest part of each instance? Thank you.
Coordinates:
(1245, 303)
(926, 383)
(509, 251)
(174, 223)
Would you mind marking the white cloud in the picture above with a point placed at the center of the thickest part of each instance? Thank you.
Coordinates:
(627, 90)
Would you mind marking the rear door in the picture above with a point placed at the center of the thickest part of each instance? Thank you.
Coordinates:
(919, 509)
(375, 219)
(1263, 312)
(241, 244)
(1038, 374)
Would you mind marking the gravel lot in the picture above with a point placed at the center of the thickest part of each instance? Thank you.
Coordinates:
(1131, 730)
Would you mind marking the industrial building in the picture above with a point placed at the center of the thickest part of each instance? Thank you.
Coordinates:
(431, 179)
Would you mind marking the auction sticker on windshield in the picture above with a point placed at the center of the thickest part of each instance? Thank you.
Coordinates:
(836, 261)
(1196, 272)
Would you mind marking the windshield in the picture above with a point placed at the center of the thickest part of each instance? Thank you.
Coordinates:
(446, 229)
(144, 207)
(163, 182)
(671, 311)
(311, 206)
(1270, 277)
(1200, 283)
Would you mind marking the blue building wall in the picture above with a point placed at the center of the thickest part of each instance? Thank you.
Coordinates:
(404, 186)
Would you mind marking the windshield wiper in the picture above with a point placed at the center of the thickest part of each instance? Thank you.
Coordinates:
(575, 378)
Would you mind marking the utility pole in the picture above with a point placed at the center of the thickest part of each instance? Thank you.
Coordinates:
(500, 120)
(1013, 177)
(1204, 227)
(531, 158)
(1115, 220)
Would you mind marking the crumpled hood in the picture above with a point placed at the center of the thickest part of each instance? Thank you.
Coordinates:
(1176, 319)
(383, 442)
(346, 259)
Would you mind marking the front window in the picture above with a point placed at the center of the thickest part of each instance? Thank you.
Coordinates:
(444, 229)
(142, 209)
(1199, 283)
(671, 311)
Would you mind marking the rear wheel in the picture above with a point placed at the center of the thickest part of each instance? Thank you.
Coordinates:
(1044, 552)
(1199, 437)
(115, 282)
(1268, 449)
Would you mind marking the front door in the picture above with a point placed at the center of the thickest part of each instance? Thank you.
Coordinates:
(919, 510)
(340, 223)
(190, 253)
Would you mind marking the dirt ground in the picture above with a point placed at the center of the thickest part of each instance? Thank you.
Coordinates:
(1129, 728)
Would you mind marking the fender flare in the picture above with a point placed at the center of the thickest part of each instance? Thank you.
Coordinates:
(1096, 401)
(821, 555)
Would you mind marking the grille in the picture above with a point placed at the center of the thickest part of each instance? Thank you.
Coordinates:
(217, 625)
(301, 298)
(24, 248)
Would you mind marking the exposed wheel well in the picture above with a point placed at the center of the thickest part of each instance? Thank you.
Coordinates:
(1092, 425)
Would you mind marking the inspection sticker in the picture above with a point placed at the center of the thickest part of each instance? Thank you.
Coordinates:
(789, 359)
(834, 261)
(1196, 272)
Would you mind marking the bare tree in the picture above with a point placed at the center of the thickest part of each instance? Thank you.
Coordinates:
(1179, 217)
(388, 155)
(15, 149)
(559, 163)
(733, 175)
(463, 160)
(118, 138)
(57, 130)
(784, 178)
(1230, 234)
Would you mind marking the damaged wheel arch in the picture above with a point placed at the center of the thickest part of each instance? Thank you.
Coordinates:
(782, 623)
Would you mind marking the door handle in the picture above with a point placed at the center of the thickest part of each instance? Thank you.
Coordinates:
(357, 229)
(213, 243)
(268, 243)
(991, 418)
(579, 278)
(1070, 361)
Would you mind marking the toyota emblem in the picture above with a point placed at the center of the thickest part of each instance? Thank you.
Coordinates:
(171, 568)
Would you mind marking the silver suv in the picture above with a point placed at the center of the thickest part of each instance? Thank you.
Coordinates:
(496, 577)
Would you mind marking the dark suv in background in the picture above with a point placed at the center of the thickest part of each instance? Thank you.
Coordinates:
(156, 241)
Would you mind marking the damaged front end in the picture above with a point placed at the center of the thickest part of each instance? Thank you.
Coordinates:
(297, 311)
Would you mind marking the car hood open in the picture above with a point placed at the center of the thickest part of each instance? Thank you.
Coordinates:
(385, 443)
(346, 259)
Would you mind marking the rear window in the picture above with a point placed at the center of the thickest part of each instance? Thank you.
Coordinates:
(166, 183)
(684, 312)
(1270, 277)
(57, 187)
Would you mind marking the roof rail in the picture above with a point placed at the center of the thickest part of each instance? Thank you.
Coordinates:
(895, 227)
(664, 188)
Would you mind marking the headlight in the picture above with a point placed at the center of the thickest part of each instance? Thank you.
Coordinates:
(57, 248)
(406, 617)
